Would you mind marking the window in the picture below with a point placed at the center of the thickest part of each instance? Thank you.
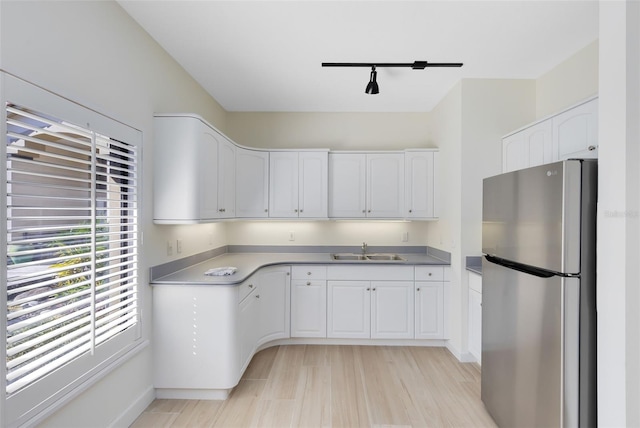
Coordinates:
(71, 247)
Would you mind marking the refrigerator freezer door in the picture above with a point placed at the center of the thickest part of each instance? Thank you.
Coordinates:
(532, 216)
(529, 348)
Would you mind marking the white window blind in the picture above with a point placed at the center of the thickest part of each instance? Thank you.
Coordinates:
(72, 256)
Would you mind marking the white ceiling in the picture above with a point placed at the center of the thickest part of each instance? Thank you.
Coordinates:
(266, 55)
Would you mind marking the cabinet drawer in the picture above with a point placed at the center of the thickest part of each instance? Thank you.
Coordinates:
(309, 272)
(370, 273)
(429, 273)
(246, 288)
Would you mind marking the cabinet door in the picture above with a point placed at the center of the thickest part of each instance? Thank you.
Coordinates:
(539, 143)
(575, 131)
(419, 184)
(475, 324)
(226, 178)
(347, 185)
(530, 147)
(283, 184)
(514, 152)
(429, 306)
(349, 309)
(392, 310)
(274, 297)
(385, 185)
(252, 183)
(313, 184)
(308, 308)
(208, 174)
(248, 326)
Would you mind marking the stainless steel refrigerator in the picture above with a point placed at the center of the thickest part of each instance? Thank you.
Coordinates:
(538, 296)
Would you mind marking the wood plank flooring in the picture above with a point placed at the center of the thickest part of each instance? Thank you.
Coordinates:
(339, 386)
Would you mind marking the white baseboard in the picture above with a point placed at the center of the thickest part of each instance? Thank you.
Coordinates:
(463, 357)
(131, 413)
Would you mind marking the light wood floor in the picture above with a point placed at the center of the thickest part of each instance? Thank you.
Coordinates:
(339, 386)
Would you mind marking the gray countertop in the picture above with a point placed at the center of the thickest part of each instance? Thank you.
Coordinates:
(474, 264)
(249, 263)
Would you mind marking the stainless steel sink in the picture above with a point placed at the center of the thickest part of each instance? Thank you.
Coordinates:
(384, 257)
(348, 257)
(362, 257)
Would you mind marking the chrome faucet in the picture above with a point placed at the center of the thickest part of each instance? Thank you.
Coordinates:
(364, 248)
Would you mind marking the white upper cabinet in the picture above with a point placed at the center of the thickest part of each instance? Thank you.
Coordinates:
(530, 147)
(298, 184)
(572, 133)
(420, 184)
(347, 185)
(194, 171)
(226, 178)
(252, 183)
(201, 176)
(575, 132)
(385, 185)
(366, 185)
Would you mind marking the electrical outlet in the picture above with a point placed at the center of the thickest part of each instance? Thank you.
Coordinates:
(178, 246)
(169, 248)
(292, 236)
(405, 236)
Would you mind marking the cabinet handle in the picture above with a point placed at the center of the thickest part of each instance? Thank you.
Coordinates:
(301, 210)
(257, 296)
(250, 285)
(266, 210)
(410, 211)
(364, 211)
(591, 148)
(429, 273)
(418, 289)
(374, 289)
(308, 273)
(308, 283)
(368, 289)
(295, 211)
(369, 211)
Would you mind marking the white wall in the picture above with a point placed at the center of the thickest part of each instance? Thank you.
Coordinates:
(95, 54)
(575, 79)
(337, 131)
(618, 269)
(468, 126)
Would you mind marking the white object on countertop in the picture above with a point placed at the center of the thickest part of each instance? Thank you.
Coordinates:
(221, 271)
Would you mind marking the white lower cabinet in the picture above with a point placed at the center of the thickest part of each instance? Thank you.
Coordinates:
(431, 288)
(273, 295)
(392, 310)
(360, 307)
(475, 316)
(349, 309)
(248, 322)
(205, 336)
(308, 301)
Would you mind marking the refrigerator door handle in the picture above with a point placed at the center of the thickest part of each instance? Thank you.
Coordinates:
(531, 270)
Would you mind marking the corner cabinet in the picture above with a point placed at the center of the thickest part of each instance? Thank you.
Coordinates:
(194, 171)
(252, 183)
(572, 133)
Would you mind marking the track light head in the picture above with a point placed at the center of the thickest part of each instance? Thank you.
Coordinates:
(372, 86)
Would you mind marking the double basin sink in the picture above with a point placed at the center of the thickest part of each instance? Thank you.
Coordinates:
(366, 257)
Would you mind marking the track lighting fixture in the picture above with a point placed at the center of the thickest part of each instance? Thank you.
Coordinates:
(372, 86)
